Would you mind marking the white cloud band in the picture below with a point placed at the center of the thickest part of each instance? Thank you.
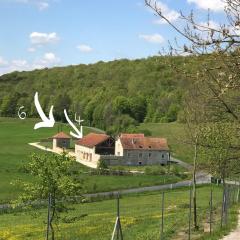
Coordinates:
(154, 38)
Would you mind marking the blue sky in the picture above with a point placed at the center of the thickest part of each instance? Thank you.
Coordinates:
(46, 33)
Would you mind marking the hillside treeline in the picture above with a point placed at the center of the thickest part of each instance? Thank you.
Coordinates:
(115, 96)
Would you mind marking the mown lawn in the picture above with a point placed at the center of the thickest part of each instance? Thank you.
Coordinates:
(153, 168)
(15, 134)
(140, 218)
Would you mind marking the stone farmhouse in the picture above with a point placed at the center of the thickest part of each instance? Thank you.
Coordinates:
(127, 149)
(136, 149)
(92, 146)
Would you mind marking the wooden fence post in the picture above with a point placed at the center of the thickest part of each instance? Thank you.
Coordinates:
(190, 213)
(211, 202)
(48, 217)
(117, 227)
(162, 219)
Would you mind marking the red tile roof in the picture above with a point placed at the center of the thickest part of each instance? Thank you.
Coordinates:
(132, 135)
(146, 143)
(92, 139)
(61, 135)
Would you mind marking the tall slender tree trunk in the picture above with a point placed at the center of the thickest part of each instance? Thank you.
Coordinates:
(195, 183)
(223, 214)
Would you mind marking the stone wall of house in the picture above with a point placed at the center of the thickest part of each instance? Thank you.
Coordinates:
(112, 160)
(138, 157)
(61, 143)
(123, 157)
(118, 148)
(86, 154)
(55, 144)
(58, 150)
(146, 157)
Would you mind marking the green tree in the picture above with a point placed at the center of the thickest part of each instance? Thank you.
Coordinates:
(121, 105)
(62, 102)
(89, 110)
(52, 177)
(138, 106)
(9, 105)
(220, 146)
(173, 112)
(194, 117)
(121, 124)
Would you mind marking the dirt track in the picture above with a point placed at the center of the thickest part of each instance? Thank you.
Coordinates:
(234, 235)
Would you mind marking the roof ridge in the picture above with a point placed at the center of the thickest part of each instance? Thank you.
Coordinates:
(61, 135)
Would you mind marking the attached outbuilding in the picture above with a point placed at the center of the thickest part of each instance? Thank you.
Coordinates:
(61, 141)
(136, 149)
(92, 146)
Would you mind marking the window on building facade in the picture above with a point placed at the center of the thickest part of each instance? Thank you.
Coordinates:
(150, 154)
(129, 154)
(140, 155)
(162, 155)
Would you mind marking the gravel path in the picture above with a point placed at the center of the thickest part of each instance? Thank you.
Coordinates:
(181, 163)
(234, 235)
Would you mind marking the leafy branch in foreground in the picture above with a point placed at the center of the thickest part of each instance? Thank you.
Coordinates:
(53, 181)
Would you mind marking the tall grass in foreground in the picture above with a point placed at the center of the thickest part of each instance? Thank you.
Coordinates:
(140, 218)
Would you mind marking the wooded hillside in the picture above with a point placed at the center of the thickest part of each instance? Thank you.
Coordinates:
(114, 96)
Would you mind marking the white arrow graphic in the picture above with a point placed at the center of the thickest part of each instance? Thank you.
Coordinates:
(46, 122)
(79, 133)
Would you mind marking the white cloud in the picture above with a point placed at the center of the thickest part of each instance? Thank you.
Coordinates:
(48, 60)
(22, 1)
(234, 30)
(170, 14)
(214, 5)
(204, 29)
(210, 24)
(3, 62)
(19, 63)
(84, 48)
(31, 49)
(40, 4)
(43, 5)
(43, 38)
(15, 65)
(154, 38)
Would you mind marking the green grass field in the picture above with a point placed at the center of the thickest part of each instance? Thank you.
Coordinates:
(140, 218)
(95, 221)
(15, 134)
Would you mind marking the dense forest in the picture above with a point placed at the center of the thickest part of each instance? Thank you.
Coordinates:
(115, 96)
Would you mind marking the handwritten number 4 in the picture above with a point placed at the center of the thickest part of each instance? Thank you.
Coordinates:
(50, 121)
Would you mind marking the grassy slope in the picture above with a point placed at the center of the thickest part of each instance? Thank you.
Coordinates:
(15, 135)
(175, 134)
(140, 218)
(140, 213)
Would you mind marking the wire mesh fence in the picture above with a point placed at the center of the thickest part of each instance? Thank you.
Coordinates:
(157, 215)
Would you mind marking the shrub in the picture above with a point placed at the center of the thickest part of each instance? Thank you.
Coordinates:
(155, 170)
